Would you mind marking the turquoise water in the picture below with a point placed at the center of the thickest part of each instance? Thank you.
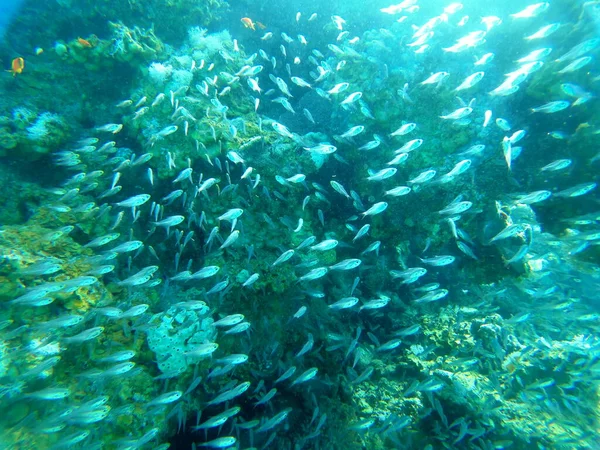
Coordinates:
(310, 225)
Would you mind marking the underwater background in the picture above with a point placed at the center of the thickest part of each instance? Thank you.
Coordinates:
(299, 225)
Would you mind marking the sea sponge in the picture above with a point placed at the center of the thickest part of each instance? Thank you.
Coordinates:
(159, 73)
(41, 128)
(177, 331)
(207, 45)
(23, 117)
(181, 78)
(196, 35)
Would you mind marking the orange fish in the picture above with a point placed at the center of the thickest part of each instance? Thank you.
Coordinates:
(17, 66)
(84, 43)
(260, 25)
(248, 23)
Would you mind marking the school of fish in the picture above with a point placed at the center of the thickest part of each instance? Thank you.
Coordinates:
(265, 268)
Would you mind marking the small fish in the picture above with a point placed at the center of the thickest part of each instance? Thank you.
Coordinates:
(251, 280)
(84, 336)
(75, 283)
(456, 208)
(377, 303)
(308, 241)
(300, 82)
(218, 287)
(339, 188)
(121, 356)
(298, 178)
(340, 87)
(136, 200)
(118, 369)
(282, 130)
(436, 78)
(234, 157)
(213, 422)
(231, 215)
(113, 128)
(383, 174)
(576, 65)
(545, 31)
(484, 59)
(487, 118)
(552, 107)
(344, 303)
(322, 149)
(65, 321)
(314, 274)
(398, 159)
(507, 151)
(535, 55)
(207, 184)
(354, 131)
(404, 129)
(306, 347)
(580, 49)
(577, 191)
(17, 66)
(503, 124)
(170, 221)
(227, 441)
(531, 11)
(283, 258)
(192, 305)
(158, 99)
(325, 245)
(205, 272)
(308, 115)
(559, 164)
(230, 320)
(534, 197)
(109, 311)
(166, 398)
(41, 268)
(140, 277)
(432, 296)
(50, 394)
(287, 374)
(458, 114)
(520, 254)
(470, 81)
(347, 264)
(398, 191)
(355, 96)
(267, 397)
(301, 311)
(517, 136)
(439, 261)
(377, 208)
(363, 424)
(390, 345)
(230, 394)
(306, 376)
(274, 421)
(409, 331)
(466, 250)
(509, 231)
(202, 350)
(362, 232)
(230, 239)
(423, 177)
(235, 359)
(185, 174)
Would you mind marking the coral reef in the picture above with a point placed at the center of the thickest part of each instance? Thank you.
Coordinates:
(272, 231)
